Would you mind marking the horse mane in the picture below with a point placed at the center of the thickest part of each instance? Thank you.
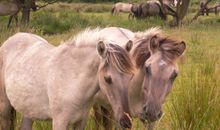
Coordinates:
(87, 37)
(140, 50)
(119, 58)
(116, 55)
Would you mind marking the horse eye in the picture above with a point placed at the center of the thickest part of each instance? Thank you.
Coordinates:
(108, 79)
(173, 76)
(148, 70)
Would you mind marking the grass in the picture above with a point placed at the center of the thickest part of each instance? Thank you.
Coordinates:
(194, 101)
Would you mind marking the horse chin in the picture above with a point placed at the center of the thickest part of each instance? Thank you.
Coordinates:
(125, 121)
(145, 119)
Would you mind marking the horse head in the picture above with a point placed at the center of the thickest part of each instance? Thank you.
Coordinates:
(115, 72)
(160, 72)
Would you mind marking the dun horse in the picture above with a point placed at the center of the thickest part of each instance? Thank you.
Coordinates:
(151, 8)
(155, 55)
(121, 7)
(46, 82)
(12, 9)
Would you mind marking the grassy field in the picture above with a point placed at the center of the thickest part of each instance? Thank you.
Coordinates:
(194, 103)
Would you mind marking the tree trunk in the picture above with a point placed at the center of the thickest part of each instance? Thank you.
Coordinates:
(25, 16)
(26, 12)
(163, 8)
(182, 9)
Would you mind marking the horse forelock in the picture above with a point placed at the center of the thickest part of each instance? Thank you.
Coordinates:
(140, 51)
(119, 58)
(169, 47)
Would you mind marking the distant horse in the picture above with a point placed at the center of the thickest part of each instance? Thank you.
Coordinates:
(155, 55)
(215, 9)
(171, 2)
(45, 82)
(12, 9)
(121, 7)
(151, 8)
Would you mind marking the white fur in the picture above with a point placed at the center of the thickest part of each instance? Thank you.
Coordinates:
(162, 63)
(45, 82)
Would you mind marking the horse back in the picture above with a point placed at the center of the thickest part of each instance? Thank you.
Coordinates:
(8, 9)
(23, 45)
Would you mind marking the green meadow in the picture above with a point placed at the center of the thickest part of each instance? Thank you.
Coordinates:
(194, 102)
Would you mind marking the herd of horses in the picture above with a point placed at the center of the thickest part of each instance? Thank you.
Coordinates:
(114, 70)
(147, 9)
(154, 8)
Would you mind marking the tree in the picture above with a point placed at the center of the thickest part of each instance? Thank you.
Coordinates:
(179, 14)
(203, 8)
(29, 5)
(182, 9)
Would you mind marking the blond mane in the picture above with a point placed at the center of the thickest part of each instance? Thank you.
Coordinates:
(87, 37)
(120, 59)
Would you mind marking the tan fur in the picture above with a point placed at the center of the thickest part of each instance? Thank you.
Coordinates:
(121, 7)
(144, 56)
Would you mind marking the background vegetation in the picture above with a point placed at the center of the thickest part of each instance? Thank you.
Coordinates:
(194, 103)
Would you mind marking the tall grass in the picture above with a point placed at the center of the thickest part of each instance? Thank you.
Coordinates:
(194, 103)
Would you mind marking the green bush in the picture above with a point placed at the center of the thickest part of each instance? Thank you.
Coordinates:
(48, 23)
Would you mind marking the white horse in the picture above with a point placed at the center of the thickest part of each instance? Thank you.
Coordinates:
(46, 82)
(121, 7)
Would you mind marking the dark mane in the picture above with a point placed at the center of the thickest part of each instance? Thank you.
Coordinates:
(119, 58)
(141, 53)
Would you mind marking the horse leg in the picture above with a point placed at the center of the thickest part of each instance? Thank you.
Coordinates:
(16, 19)
(26, 124)
(97, 117)
(80, 125)
(9, 21)
(7, 113)
(107, 119)
(7, 116)
(59, 122)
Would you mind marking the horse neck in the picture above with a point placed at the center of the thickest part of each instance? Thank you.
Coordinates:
(89, 64)
(135, 93)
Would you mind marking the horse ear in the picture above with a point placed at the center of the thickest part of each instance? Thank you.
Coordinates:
(182, 47)
(154, 44)
(101, 48)
(129, 45)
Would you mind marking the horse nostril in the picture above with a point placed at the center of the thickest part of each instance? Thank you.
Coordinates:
(145, 108)
(159, 114)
